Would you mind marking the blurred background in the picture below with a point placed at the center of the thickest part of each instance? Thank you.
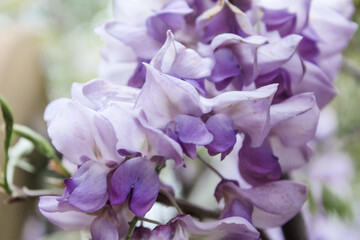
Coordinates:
(46, 45)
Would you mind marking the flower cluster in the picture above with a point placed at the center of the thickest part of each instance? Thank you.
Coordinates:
(180, 75)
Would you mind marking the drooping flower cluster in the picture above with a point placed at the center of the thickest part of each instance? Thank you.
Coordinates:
(182, 75)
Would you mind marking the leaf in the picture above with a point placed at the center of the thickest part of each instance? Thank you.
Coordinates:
(9, 122)
(334, 204)
(40, 144)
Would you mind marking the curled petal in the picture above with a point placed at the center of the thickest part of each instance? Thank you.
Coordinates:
(258, 165)
(192, 130)
(228, 228)
(295, 120)
(174, 59)
(222, 128)
(249, 110)
(273, 55)
(172, 97)
(136, 177)
(69, 219)
(88, 187)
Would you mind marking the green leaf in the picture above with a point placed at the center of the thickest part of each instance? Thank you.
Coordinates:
(40, 143)
(334, 204)
(9, 122)
(312, 204)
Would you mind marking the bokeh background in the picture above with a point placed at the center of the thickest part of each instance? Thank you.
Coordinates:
(46, 45)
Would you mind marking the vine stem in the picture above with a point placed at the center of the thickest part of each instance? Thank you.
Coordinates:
(149, 220)
(132, 225)
(172, 200)
(210, 167)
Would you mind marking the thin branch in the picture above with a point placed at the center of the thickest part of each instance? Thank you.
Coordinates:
(190, 208)
(210, 167)
(172, 200)
(295, 229)
(149, 220)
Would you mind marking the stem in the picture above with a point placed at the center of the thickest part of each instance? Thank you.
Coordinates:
(172, 200)
(132, 225)
(149, 220)
(210, 167)
(190, 208)
(295, 228)
(263, 235)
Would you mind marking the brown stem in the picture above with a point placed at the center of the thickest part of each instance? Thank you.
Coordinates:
(189, 208)
(210, 167)
(149, 220)
(172, 200)
(295, 228)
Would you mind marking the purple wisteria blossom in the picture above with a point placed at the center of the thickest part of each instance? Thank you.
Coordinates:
(180, 76)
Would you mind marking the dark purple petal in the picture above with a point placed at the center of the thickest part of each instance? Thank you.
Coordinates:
(235, 204)
(141, 233)
(222, 128)
(279, 19)
(192, 130)
(137, 177)
(226, 65)
(88, 187)
(258, 165)
(162, 232)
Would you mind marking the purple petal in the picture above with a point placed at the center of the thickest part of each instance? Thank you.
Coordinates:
(222, 128)
(174, 59)
(105, 226)
(235, 204)
(136, 176)
(68, 220)
(137, 136)
(172, 97)
(88, 187)
(249, 110)
(223, 17)
(295, 119)
(279, 19)
(281, 199)
(170, 17)
(316, 81)
(300, 8)
(290, 158)
(162, 232)
(100, 93)
(192, 130)
(273, 55)
(258, 165)
(135, 37)
(226, 65)
(228, 228)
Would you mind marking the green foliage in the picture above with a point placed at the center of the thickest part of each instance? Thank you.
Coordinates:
(9, 122)
(40, 143)
(334, 204)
